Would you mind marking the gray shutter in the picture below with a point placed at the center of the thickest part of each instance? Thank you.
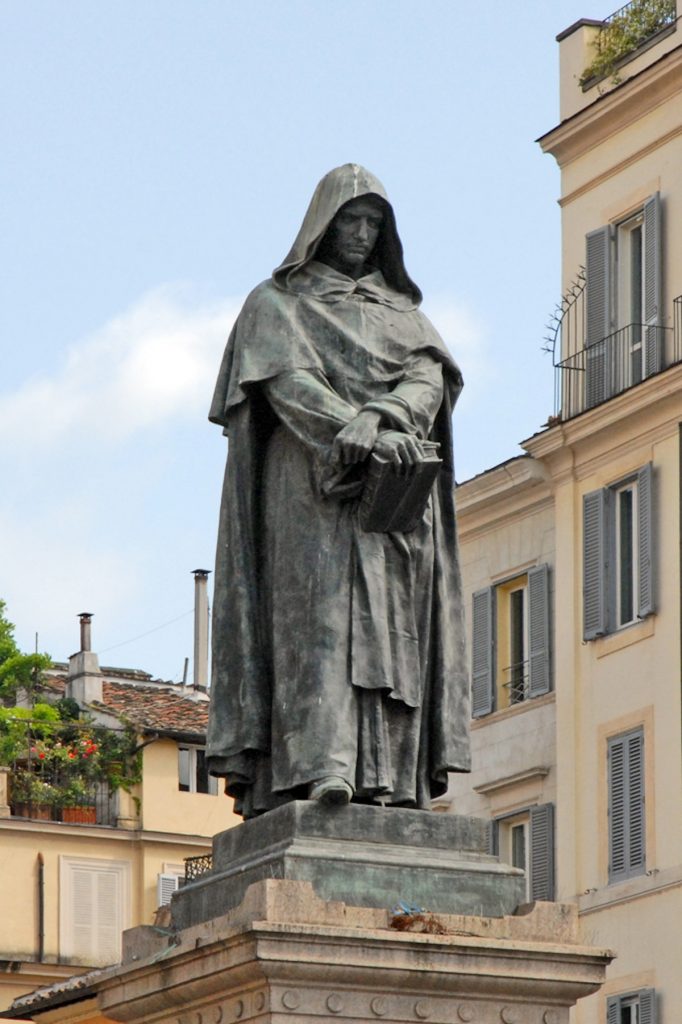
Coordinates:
(598, 315)
(645, 540)
(653, 354)
(539, 631)
(627, 840)
(542, 852)
(594, 564)
(635, 805)
(494, 837)
(482, 652)
(613, 1010)
(617, 809)
(647, 1006)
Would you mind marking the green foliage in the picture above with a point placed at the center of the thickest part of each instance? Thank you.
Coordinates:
(17, 671)
(624, 32)
(20, 726)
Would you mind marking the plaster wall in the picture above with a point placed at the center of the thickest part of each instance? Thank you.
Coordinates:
(166, 809)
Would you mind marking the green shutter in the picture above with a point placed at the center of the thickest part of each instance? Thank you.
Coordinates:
(645, 540)
(539, 631)
(542, 852)
(594, 564)
(482, 652)
(653, 354)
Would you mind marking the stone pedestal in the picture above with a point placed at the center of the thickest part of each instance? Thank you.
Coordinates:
(285, 956)
(365, 856)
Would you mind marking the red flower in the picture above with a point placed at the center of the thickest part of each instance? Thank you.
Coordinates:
(41, 756)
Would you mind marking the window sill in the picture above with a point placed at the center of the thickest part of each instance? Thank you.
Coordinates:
(651, 882)
(515, 709)
(624, 637)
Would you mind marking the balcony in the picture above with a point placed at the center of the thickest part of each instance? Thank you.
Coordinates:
(593, 374)
(66, 771)
(624, 33)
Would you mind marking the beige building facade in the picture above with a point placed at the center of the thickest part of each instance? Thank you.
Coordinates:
(596, 500)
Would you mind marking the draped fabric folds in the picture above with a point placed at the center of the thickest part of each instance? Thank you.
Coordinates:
(335, 651)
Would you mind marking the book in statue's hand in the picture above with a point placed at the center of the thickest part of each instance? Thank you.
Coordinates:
(393, 500)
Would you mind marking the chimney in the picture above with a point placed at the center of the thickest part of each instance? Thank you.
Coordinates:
(201, 628)
(84, 683)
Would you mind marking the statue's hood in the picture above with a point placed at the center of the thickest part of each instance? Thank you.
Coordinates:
(337, 188)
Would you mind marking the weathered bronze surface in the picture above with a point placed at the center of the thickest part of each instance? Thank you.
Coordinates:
(338, 653)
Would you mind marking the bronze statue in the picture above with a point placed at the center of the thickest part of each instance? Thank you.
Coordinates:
(338, 653)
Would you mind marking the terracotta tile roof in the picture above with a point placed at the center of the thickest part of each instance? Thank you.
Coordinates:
(153, 708)
(156, 709)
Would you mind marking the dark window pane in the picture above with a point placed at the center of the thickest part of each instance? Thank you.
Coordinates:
(626, 556)
(517, 631)
(518, 844)
(202, 772)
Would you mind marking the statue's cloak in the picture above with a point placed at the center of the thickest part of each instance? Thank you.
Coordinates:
(335, 651)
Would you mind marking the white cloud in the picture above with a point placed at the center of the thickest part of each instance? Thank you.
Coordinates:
(154, 361)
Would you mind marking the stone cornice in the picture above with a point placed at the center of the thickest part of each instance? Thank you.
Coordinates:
(616, 110)
(511, 489)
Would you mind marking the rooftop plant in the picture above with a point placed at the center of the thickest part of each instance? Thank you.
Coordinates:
(624, 32)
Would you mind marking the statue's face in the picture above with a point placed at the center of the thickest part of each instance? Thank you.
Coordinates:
(352, 235)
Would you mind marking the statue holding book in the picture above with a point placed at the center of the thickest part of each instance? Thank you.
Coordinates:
(338, 645)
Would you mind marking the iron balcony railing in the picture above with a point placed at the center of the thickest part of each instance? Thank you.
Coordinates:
(626, 31)
(195, 867)
(49, 795)
(595, 373)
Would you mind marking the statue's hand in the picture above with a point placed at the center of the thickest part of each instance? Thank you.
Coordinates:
(403, 450)
(355, 441)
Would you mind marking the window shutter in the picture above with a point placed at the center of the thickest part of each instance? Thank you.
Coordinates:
(598, 314)
(652, 284)
(647, 1006)
(482, 647)
(494, 838)
(594, 564)
(645, 491)
(539, 631)
(616, 755)
(635, 766)
(166, 885)
(542, 852)
(627, 840)
(95, 915)
(613, 1010)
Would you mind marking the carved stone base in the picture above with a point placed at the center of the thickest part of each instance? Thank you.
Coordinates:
(285, 956)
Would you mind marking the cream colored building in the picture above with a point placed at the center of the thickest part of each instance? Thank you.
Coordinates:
(597, 500)
(70, 889)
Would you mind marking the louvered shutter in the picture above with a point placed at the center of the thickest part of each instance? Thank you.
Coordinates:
(647, 1006)
(542, 852)
(539, 631)
(645, 540)
(635, 802)
(598, 315)
(653, 354)
(627, 849)
(613, 1010)
(95, 915)
(594, 564)
(166, 885)
(482, 652)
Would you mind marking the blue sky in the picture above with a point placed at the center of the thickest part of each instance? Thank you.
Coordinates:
(158, 158)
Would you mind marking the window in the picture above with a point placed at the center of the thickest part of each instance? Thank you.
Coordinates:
(627, 851)
(618, 564)
(525, 840)
(510, 642)
(166, 885)
(94, 908)
(623, 336)
(634, 1008)
(193, 774)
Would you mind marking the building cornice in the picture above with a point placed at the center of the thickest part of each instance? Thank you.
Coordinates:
(508, 490)
(648, 412)
(616, 110)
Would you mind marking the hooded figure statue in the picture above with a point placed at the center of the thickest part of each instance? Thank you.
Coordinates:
(338, 654)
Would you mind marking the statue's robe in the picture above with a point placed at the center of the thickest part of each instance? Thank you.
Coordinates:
(335, 651)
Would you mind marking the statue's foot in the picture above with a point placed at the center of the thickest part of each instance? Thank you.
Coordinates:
(332, 789)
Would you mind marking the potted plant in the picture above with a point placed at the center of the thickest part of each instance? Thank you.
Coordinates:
(32, 797)
(76, 803)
